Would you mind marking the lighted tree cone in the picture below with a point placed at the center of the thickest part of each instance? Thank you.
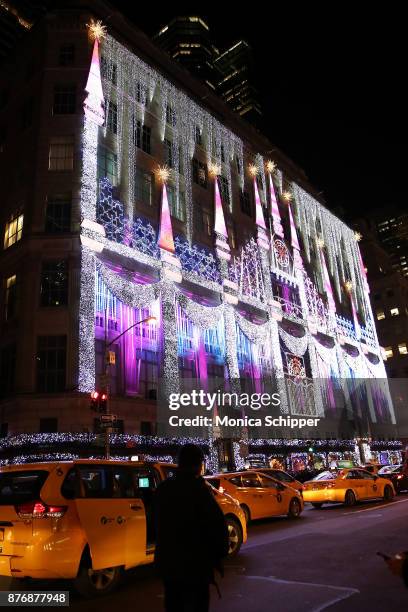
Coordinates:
(166, 240)
(94, 101)
(327, 284)
(220, 229)
(276, 218)
(262, 236)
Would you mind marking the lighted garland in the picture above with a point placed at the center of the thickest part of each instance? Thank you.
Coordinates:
(89, 184)
(126, 290)
(297, 346)
(257, 334)
(204, 317)
(86, 366)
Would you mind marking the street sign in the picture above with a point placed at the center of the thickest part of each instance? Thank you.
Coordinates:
(108, 418)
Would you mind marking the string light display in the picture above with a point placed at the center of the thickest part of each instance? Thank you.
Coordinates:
(250, 275)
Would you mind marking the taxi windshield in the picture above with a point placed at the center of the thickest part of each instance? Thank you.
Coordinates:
(325, 476)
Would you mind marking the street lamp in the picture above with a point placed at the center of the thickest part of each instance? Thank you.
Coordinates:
(150, 319)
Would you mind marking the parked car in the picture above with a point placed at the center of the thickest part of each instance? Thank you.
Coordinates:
(260, 496)
(86, 520)
(346, 486)
(398, 474)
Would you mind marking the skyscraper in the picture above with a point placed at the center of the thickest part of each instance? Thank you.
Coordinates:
(235, 82)
(392, 229)
(230, 73)
(188, 40)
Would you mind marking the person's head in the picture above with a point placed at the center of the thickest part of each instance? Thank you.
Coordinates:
(191, 459)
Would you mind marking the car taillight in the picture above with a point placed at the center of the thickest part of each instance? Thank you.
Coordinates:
(37, 509)
(399, 476)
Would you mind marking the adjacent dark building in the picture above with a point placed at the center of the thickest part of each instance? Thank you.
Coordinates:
(392, 228)
(389, 298)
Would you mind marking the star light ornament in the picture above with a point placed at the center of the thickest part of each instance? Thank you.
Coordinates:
(358, 236)
(163, 174)
(270, 166)
(287, 196)
(253, 170)
(97, 30)
(214, 169)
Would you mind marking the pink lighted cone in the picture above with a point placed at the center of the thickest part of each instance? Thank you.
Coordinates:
(327, 284)
(293, 234)
(355, 317)
(259, 216)
(297, 258)
(165, 231)
(276, 218)
(219, 224)
(93, 105)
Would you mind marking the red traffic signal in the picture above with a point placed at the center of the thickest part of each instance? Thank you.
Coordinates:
(98, 401)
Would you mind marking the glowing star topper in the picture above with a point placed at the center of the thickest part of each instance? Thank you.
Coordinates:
(214, 169)
(163, 174)
(287, 196)
(270, 166)
(97, 30)
(358, 236)
(253, 170)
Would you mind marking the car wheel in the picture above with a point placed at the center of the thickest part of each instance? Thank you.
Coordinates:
(234, 536)
(317, 505)
(294, 508)
(388, 494)
(247, 513)
(350, 498)
(96, 583)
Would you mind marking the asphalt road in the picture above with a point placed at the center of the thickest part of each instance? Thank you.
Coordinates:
(326, 560)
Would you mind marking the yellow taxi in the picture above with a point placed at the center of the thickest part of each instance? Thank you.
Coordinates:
(86, 520)
(282, 476)
(346, 486)
(259, 495)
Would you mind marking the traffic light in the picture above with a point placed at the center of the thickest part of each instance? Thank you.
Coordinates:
(95, 401)
(99, 401)
(102, 402)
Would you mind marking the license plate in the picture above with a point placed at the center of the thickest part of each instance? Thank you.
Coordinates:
(1, 535)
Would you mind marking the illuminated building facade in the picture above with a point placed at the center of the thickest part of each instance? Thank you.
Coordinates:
(142, 203)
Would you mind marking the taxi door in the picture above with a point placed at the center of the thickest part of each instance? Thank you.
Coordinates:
(356, 482)
(274, 499)
(101, 515)
(133, 514)
(371, 488)
(253, 496)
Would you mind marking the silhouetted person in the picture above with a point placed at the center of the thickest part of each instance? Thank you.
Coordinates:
(192, 537)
